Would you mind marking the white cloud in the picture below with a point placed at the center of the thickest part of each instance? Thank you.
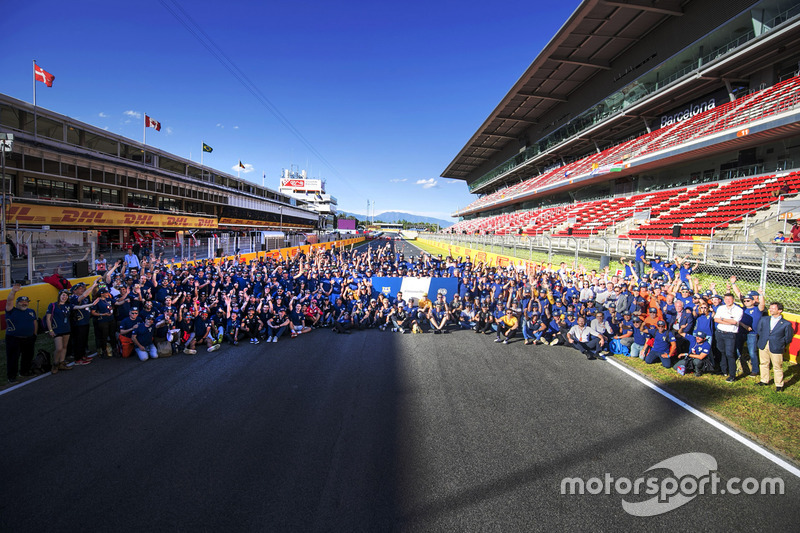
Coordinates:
(428, 184)
(169, 130)
(248, 168)
(219, 125)
(132, 114)
(102, 115)
(236, 127)
(398, 180)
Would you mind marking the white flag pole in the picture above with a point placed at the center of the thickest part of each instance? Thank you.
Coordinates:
(202, 149)
(34, 99)
(144, 132)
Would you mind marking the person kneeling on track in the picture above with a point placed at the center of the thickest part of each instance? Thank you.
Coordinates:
(697, 358)
(663, 348)
(484, 320)
(142, 337)
(507, 326)
(584, 339)
(277, 325)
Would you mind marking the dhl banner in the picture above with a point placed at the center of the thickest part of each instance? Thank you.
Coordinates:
(531, 267)
(46, 215)
(258, 223)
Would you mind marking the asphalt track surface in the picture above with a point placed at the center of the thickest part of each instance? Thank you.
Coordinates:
(373, 431)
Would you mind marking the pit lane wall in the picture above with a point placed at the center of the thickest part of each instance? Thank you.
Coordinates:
(42, 294)
(497, 260)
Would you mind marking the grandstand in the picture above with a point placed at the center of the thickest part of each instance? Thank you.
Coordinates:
(69, 175)
(675, 119)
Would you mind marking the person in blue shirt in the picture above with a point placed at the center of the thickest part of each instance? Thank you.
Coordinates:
(81, 319)
(639, 338)
(57, 321)
(698, 355)
(663, 348)
(753, 309)
(640, 254)
(142, 337)
(22, 325)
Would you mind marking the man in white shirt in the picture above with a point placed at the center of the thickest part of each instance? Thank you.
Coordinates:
(727, 317)
(585, 339)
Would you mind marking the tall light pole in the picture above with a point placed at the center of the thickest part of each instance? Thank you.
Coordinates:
(6, 144)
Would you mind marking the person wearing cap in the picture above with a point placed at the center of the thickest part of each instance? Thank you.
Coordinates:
(79, 322)
(625, 335)
(698, 357)
(399, 316)
(233, 326)
(438, 316)
(484, 319)
(727, 318)
(663, 348)
(652, 317)
(277, 325)
(752, 313)
(640, 254)
(126, 328)
(22, 325)
(142, 339)
(104, 324)
(775, 333)
(640, 338)
(585, 339)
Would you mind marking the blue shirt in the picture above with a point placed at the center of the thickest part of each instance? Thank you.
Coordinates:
(144, 334)
(661, 341)
(60, 320)
(20, 323)
(750, 317)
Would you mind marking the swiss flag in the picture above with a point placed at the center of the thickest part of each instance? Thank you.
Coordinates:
(42, 75)
(150, 123)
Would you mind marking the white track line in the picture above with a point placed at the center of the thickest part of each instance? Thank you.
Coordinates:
(722, 427)
(26, 382)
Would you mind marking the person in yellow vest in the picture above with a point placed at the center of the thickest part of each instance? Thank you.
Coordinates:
(507, 326)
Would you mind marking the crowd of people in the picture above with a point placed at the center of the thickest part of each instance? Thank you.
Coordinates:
(652, 309)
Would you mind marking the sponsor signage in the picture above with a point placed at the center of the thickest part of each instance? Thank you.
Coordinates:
(301, 184)
(259, 223)
(87, 218)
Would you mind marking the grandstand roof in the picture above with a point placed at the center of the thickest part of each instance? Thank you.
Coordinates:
(596, 33)
(587, 44)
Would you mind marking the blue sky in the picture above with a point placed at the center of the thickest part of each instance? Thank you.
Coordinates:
(386, 93)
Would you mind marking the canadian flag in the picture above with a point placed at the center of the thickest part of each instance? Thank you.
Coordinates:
(42, 75)
(150, 123)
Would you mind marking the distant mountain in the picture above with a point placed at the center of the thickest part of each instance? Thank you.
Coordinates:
(396, 216)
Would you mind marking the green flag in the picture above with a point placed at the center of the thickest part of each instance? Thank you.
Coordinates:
(207, 148)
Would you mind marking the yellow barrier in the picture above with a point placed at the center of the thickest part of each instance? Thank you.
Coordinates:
(42, 294)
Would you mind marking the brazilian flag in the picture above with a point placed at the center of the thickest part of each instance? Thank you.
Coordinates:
(207, 148)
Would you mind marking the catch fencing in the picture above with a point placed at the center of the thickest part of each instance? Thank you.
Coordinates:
(775, 268)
